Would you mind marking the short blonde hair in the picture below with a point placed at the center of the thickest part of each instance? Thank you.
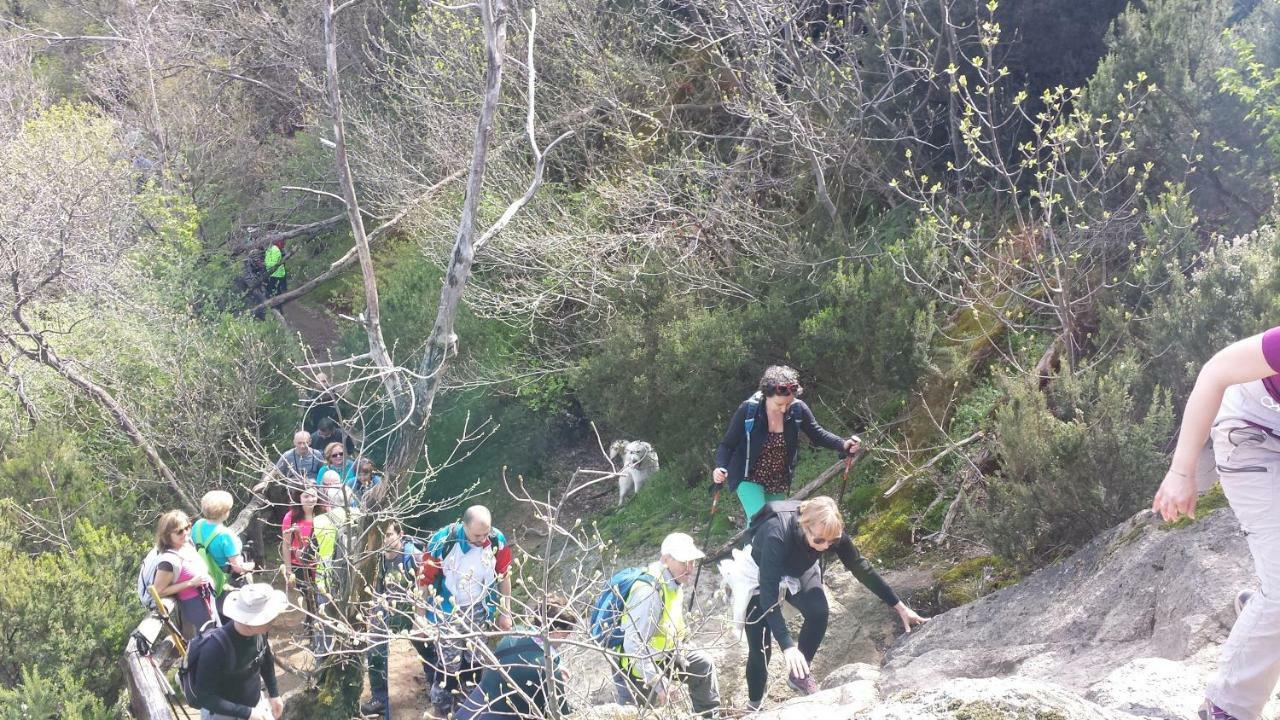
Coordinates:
(216, 505)
(167, 524)
(822, 517)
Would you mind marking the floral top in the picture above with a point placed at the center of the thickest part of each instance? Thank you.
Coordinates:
(771, 467)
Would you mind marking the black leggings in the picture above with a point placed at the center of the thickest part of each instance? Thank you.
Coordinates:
(812, 604)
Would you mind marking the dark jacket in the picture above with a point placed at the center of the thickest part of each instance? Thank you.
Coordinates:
(732, 453)
(524, 661)
(780, 550)
(231, 683)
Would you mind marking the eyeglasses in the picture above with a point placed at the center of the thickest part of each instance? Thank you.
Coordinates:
(788, 389)
(825, 542)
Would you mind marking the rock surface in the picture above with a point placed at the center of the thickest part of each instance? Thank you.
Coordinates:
(1139, 591)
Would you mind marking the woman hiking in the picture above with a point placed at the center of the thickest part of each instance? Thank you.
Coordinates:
(757, 455)
(181, 571)
(787, 543)
(1236, 404)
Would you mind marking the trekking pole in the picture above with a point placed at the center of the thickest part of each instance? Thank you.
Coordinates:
(844, 484)
(706, 536)
(174, 633)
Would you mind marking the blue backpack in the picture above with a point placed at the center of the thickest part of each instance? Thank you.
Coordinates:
(607, 610)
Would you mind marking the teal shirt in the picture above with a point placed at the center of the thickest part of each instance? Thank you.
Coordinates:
(224, 544)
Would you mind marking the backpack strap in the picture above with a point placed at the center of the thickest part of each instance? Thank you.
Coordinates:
(749, 422)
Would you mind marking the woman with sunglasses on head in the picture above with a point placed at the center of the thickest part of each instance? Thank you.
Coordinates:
(757, 455)
(787, 542)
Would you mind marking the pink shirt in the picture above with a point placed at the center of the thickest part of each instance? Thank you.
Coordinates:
(302, 533)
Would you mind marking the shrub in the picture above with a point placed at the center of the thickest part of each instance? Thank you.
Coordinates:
(57, 697)
(70, 609)
(1074, 461)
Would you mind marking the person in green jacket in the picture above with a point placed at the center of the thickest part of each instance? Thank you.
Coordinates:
(516, 686)
(273, 264)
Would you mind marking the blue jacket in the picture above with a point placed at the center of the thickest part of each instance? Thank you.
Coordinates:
(731, 454)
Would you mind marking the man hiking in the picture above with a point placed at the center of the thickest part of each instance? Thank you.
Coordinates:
(518, 686)
(297, 465)
(273, 266)
(789, 538)
(465, 575)
(233, 663)
(392, 613)
(654, 635)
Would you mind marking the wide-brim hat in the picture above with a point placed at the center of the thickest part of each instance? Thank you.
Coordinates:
(255, 604)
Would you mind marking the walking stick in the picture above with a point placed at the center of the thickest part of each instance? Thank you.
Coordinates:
(844, 484)
(706, 535)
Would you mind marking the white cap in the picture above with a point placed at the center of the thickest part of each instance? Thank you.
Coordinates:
(681, 548)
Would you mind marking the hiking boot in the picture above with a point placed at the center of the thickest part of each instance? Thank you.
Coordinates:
(1212, 712)
(805, 685)
(1241, 600)
(374, 707)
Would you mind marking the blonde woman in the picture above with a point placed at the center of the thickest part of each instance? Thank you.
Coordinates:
(220, 544)
(180, 572)
(787, 543)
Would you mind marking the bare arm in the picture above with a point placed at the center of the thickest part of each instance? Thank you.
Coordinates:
(1240, 362)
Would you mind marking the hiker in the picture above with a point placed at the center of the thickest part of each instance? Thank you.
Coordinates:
(181, 572)
(327, 432)
(1236, 404)
(757, 455)
(789, 538)
(233, 663)
(327, 550)
(333, 492)
(273, 266)
(298, 464)
(367, 482)
(465, 575)
(392, 613)
(653, 652)
(335, 458)
(517, 686)
(295, 533)
(219, 545)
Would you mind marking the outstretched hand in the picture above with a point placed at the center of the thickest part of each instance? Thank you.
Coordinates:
(852, 445)
(908, 616)
(1176, 496)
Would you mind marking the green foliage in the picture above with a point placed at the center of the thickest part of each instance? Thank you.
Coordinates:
(71, 608)
(50, 473)
(1193, 130)
(1074, 461)
(61, 696)
(970, 579)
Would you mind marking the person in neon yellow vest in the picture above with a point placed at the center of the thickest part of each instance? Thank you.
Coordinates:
(654, 651)
(273, 265)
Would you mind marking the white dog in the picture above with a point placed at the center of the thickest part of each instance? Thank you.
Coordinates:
(639, 461)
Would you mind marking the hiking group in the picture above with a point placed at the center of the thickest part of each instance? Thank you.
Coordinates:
(452, 592)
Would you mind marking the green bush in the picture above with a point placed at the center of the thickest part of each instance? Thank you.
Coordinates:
(59, 697)
(1073, 461)
(70, 609)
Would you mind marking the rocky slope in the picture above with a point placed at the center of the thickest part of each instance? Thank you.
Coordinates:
(1128, 627)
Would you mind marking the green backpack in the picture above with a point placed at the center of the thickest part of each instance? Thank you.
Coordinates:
(216, 573)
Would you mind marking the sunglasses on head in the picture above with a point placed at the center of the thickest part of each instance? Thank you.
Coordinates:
(787, 389)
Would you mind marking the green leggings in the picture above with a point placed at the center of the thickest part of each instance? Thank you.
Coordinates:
(753, 497)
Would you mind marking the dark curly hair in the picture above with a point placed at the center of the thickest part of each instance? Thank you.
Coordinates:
(775, 376)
